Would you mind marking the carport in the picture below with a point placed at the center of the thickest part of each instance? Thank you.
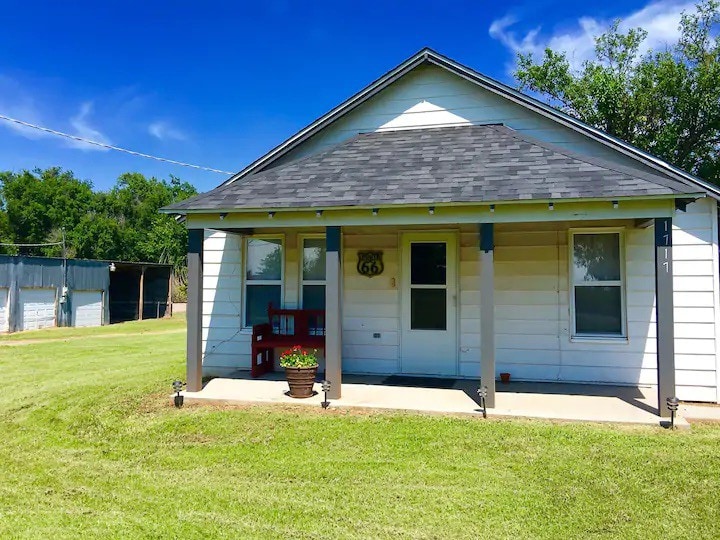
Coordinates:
(139, 291)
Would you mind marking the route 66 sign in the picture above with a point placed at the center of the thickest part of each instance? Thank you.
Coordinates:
(370, 263)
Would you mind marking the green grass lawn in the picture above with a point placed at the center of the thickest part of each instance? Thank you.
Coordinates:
(176, 324)
(91, 448)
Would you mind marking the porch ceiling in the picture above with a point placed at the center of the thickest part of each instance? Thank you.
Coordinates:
(461, 164)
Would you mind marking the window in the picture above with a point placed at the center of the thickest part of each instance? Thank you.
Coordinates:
(313, 273)
(263, 277)
(428, 286)
(597, 289)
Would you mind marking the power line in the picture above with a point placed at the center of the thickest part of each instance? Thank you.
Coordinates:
(33, 245)
(109, 146)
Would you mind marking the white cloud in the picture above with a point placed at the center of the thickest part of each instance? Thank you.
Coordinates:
(16, 103)
(164, 131)
(660, 19)
(82, 128)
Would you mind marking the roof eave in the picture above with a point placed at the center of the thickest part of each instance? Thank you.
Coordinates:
(698, 195)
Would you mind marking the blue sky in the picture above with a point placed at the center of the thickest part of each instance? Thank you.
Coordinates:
(220, 83)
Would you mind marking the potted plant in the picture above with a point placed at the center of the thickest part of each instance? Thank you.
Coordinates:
(505, 378)
(300, 370)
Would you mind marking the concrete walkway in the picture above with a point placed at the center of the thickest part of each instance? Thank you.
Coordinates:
(556, 401)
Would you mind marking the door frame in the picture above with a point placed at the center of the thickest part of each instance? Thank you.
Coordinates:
(405, 237)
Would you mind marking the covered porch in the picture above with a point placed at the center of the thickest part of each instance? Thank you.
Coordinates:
(505, 307)
(549, 401)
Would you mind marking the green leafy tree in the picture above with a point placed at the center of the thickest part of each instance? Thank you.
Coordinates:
(39, 204)
(121, 224)
(665, 102)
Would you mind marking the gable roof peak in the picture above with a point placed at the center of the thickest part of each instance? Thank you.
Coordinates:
(429, 55)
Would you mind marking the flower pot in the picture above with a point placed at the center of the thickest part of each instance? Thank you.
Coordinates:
(301, 381)
(504, 378)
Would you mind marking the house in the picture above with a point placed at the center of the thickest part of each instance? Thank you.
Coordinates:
(506, 237)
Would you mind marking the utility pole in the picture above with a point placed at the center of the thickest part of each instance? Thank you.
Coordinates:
(65, 294)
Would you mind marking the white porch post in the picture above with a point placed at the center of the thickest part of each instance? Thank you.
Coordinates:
(333, 311)
(196, 238)
(487, 312)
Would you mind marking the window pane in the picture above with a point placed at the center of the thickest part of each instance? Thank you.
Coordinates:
(428, 309)
(598, 310)
(596, 257)
(264, 259)
(257, 298)
(427, 263)
(314, 259)
(314, 296)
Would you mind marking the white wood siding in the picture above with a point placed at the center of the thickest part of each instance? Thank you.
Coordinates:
(430, 96)
(533, 317)
(371, 305)
(695, 253)
(226, 347)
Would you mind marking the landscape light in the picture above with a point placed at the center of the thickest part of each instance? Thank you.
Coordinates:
(431, 210)
(223, 215)
(318, 213)
(271, 215)
(672, 404)
(177, 388)
(551, 206)
(492, 208)
(482, 392)
(615, 205)
(375, 211)
(325, 388)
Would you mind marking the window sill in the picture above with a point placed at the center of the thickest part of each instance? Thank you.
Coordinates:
(599, 339)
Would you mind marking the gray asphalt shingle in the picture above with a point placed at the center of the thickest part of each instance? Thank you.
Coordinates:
(463, 164)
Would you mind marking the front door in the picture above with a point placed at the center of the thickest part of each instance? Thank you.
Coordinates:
(429, 304)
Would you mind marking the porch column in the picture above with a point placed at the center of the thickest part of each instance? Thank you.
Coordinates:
(141, 301)
(333, 311)
(487, 312)
(194, 309)
(664, 313)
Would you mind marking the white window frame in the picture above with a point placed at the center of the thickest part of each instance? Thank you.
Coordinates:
(574, 335)
(252, 282)
(302, 281)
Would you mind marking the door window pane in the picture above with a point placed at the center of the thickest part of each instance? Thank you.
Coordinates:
(598, 310)
(596, 257)
(428, 264)
(314, 259)
(264, 259)
(313, 296)
(257, 298)
(428, 309)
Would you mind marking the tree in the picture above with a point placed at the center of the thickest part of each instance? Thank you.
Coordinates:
(38, 204)
(665, 102)
(121, 224)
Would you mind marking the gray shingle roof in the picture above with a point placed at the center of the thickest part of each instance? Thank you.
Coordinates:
(463, 164)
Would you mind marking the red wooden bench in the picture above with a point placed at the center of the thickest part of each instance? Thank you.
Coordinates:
(285, 328)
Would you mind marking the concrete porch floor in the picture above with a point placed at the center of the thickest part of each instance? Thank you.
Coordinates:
(556, 401)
